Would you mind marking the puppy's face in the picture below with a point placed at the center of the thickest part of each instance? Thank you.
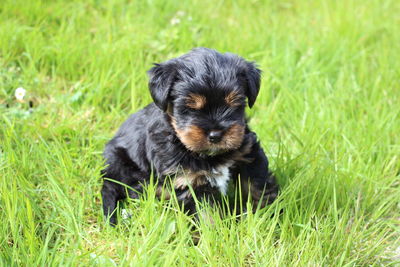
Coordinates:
(208, 120)
(205, 94)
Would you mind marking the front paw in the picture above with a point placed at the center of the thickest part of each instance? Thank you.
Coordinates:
(264, 194)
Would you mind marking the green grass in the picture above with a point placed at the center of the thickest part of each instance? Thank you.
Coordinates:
(328, 116)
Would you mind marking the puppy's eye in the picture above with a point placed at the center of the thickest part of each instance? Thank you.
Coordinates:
(195, 101)
(234, 99)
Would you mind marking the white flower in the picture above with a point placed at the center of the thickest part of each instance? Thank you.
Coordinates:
(20, 93)
(175, 21)
(180, 13)
(177, 18)
(125, 214)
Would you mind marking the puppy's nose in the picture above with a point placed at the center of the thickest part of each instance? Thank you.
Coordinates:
(215, 136)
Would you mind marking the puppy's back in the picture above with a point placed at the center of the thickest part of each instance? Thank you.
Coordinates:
(130, 140)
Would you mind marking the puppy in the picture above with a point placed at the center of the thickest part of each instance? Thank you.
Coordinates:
(195, 134)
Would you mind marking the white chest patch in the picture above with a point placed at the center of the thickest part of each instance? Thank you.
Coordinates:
(219, 177)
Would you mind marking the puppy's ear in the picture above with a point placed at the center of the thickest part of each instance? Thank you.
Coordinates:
(252, 75)
(161, 79)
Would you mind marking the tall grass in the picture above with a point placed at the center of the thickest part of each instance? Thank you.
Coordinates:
(327, 116)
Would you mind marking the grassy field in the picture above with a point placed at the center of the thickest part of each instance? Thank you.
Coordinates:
(328, 116)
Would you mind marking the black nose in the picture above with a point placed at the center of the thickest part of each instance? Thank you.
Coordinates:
(215, 136)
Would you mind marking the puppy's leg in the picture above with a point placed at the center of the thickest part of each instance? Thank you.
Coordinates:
(121, 170)
(256, 180)
(110, 196)
(204, 194)
(112, 192)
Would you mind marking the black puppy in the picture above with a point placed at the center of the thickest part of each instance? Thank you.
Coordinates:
(195, 133)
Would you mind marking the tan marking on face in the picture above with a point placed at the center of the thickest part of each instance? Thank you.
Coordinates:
(192, 137)
(233, 99)
(196, 101)
(233, 138)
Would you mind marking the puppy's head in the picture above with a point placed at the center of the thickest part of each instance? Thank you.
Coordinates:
(205, 94)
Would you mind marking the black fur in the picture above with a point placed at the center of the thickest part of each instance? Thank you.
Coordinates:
(161, 137)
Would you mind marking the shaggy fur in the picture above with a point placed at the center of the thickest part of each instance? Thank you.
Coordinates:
(195, 133)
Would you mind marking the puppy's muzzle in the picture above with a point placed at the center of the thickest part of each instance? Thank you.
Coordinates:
(215, 136)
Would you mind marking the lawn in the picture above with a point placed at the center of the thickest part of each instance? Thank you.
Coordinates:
(328, 117)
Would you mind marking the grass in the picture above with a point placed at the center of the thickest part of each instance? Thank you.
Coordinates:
(328, 116)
